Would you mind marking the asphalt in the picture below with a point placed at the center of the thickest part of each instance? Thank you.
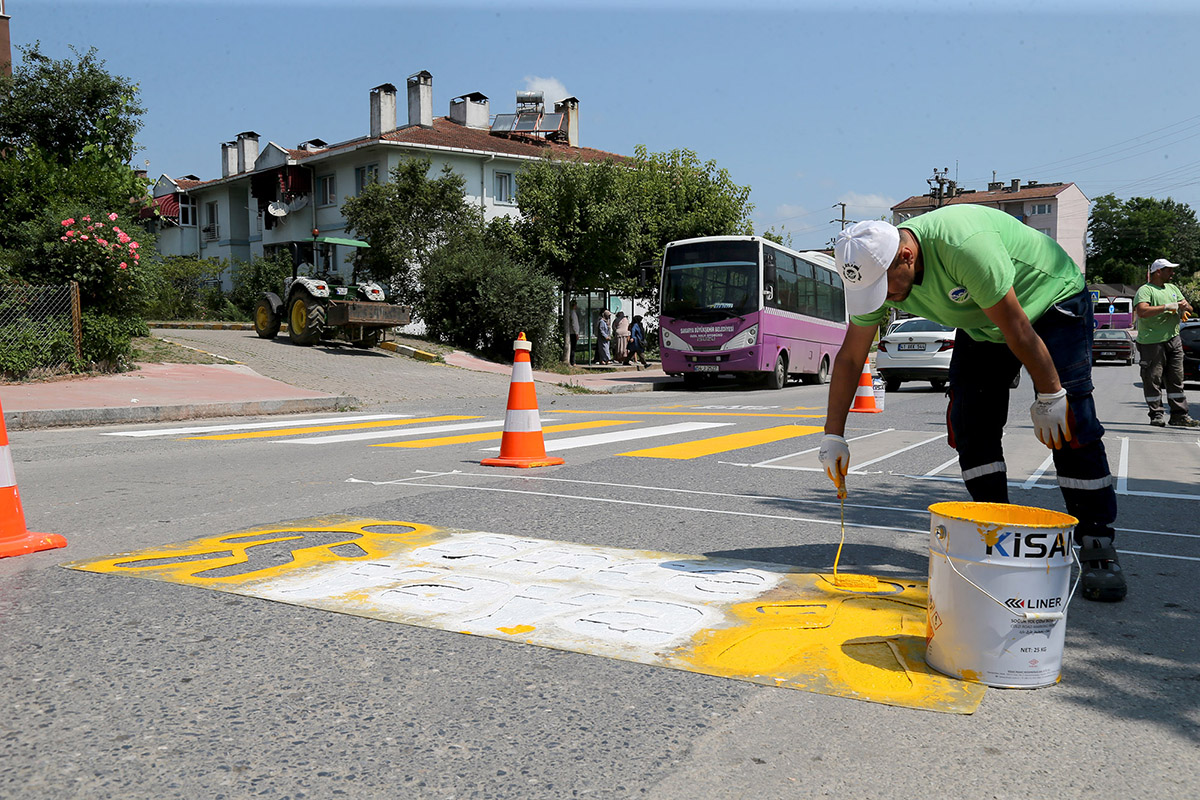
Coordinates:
(276, 377)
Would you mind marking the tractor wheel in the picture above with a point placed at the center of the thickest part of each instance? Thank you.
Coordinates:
(266, 321)
(306, 320)
(369, 340)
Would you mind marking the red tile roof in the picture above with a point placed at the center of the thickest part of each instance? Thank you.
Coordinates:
(1005, 195)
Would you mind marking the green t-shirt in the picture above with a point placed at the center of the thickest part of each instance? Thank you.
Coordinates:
(1161, 327)
(972, 256)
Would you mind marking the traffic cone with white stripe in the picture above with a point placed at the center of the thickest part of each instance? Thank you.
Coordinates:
(522, 444)
(15, 538)
(864, 395)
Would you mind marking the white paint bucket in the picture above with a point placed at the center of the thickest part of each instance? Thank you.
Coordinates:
(999, 587)
(879, 389)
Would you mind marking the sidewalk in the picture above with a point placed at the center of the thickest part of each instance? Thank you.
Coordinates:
(350, 378)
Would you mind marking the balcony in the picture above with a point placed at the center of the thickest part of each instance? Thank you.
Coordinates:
(210, 232)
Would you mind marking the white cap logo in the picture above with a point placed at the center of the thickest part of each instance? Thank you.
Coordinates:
(852, 273)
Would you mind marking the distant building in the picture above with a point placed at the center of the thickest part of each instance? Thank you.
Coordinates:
(1059, 210)
(270, 197)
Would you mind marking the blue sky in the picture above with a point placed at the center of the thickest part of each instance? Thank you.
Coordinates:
(811, 104)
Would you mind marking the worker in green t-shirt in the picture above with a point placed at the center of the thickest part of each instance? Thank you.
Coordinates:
(1158, 306)
(1017, 299)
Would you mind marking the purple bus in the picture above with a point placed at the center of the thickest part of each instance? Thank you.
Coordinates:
(747, 306)
(1114, 312)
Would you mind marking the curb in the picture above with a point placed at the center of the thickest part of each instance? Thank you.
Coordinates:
(68, 417)
(405, 350)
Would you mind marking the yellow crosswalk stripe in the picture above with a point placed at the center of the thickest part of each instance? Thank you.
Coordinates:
(325, 428)
(722, 444)
(495, 435)
(691, 413)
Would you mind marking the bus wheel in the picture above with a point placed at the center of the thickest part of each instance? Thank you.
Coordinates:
(823, 371)
(777, 379)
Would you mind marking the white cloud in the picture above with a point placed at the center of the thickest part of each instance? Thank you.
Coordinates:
(552, 89)
(787, 211)
(867, 206)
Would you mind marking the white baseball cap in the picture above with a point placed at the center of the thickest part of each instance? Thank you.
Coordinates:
(1161, 263)
(863, 252)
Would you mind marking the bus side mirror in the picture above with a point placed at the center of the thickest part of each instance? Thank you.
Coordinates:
(646, 277)
(769, 292)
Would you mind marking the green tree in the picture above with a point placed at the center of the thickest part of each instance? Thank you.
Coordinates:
(1124, 237)
(405, 220)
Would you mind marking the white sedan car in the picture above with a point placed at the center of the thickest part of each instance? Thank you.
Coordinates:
(915, 349)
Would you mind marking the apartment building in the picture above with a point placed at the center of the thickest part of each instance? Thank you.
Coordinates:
(270, 196)
(1059, 210)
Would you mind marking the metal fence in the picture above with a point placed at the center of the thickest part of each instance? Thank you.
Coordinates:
(41, 331)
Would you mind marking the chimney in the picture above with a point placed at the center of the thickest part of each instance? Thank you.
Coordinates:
(229, 159)
(471, 110)
(383, 110)
(420, 99)
(5, 43)
(570, 107)
(1016, 185)
(247, 151)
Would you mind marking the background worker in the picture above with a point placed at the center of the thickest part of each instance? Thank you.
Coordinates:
(1017, 299)
(1158, 306)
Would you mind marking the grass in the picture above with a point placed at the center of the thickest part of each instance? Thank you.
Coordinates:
(152, 350)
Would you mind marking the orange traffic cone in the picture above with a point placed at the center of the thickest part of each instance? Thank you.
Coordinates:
(522, 444)
(15, 539)
(864, 396)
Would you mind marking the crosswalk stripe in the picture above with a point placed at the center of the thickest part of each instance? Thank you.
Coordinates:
(394, 433)
(723, 444)
(572, 442)
(321, 428)
(493, 435)
(253, 425)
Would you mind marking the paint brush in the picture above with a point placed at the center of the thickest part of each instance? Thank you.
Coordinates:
(864, 582)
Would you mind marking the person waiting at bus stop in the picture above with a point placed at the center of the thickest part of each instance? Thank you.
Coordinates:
(1159, 305)
(1017, 299)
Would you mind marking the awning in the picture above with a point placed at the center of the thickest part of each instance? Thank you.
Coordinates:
(336, 240)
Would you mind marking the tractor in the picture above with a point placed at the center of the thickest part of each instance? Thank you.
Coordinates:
(327, 308)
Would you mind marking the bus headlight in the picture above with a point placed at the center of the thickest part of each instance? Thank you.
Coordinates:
(747, 338)
(673, 342)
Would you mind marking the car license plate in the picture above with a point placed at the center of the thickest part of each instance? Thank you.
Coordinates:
(1108, 353)
(911, 346)
(705, 367)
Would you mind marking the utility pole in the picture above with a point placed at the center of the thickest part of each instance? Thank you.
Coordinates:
(842, 219)
(938, 194)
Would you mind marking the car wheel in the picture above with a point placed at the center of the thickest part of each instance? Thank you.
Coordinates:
(939, 384)
(891, 384)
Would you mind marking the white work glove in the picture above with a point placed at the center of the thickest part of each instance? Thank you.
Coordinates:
(1051, 418)
(1172, 307)
(834, 456)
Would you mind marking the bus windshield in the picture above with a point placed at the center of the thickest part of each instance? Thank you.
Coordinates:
(711, 280)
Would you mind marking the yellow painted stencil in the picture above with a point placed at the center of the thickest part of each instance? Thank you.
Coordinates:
(747, 620)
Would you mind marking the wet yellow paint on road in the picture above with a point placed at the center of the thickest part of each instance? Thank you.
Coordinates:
(492, 436)
(357, 426)
(753, 621)
(692, 414)
(723, 444)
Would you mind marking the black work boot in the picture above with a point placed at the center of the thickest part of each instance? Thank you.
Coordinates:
(1102, 578)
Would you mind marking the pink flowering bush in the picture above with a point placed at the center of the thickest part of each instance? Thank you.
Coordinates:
(105, 260)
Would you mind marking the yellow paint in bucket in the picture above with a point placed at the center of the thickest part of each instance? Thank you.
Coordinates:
(999, 587)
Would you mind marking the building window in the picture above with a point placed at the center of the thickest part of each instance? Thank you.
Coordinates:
(327, 190)
(1043, 230)
(187, 211)
(1039, 208)
(504, 187)
(211, 230)
(365, 176)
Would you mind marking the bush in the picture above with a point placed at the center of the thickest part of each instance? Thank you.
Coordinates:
(94, 250)
(479, 298)
(107, 340)
(182, 287)
(252, 278)
(27, 349)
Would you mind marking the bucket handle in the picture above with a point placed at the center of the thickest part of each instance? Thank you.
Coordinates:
(939, 533)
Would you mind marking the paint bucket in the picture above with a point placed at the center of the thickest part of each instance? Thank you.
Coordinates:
(879, 389)
(999, 587)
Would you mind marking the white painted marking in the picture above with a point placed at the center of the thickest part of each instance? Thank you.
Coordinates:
(901, 450)
(941, 467)
(1123, 467)
(771, 461)
(590, 440)
(396, 433)
(290, 422)
(1157, 555)
(1038, 473)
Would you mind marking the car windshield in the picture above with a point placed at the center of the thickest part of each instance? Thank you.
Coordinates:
(1111, 334)
(918, 326)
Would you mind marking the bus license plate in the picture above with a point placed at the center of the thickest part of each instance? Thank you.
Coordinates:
(912, 346)
(705, 367)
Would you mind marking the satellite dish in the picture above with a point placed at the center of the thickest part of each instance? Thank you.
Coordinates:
(277, 209)
(300, 202)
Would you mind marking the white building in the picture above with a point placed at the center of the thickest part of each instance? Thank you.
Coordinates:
(272, 196)
(1059, 210)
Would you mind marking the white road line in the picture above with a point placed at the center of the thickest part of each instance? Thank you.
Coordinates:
(938, 469)
(1123, 467)
(901, 450)
(290, 422)
(1038, 473)
(395, 433)
(771, 461)
(572, 442)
